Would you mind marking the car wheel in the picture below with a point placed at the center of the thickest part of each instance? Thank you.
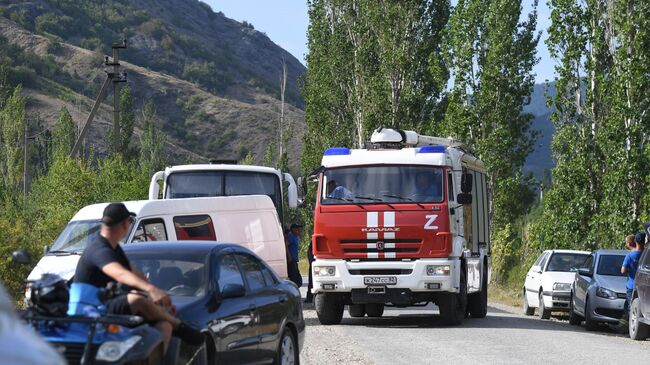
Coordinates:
(357, 310)
(375, 310)
(543, 312)
(590, 324)
(453, 305)
(574, 318)
(528, 310)
(477, 302)
(201, 357)
(287, 349)
(329, 308)
(638, 331)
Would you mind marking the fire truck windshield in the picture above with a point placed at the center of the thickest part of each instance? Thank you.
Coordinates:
(383, 184)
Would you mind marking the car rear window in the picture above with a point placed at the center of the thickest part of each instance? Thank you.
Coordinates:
(566, 262)
(610, 265)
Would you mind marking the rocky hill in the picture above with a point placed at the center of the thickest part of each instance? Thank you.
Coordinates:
(215, 81)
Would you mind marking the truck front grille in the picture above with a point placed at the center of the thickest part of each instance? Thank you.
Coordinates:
(380, 248)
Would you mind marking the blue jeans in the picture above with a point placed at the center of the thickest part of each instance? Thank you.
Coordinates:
(628, 302)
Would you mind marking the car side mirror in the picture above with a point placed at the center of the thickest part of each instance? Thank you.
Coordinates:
(21, 257)
(233, 291)
(464, 199)
(466, 182)
(584, 271)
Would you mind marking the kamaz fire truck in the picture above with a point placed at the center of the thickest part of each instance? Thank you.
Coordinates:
(403, 222)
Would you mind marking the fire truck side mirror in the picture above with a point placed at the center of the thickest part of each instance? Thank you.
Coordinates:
(466, 183)
(302, 188)
(464, 199)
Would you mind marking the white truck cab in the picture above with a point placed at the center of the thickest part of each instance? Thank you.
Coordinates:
(221, 179)
(250, 221)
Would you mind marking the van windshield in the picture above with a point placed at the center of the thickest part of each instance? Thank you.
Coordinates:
(75, 236)
(195, 184)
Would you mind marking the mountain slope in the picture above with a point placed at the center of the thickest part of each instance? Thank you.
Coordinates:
(213, 120)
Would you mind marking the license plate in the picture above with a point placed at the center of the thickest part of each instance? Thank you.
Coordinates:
(380, 280)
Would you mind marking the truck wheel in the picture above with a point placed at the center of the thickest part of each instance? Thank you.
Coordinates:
(574, 318)
(329, 308)
(477, 302)
(528, 310)
(375, 310)
(357, 310)
(453, 305)
(543, 312)
(590, 325)
(638, 331)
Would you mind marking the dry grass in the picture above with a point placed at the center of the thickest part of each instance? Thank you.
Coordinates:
(505, 295)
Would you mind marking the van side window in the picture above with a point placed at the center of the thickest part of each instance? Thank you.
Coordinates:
(194, 228)
(150, 230)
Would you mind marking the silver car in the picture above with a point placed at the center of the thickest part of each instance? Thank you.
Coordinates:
(598, 291)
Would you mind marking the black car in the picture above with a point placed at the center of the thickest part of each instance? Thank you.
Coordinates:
(249, 313)
(640, 308)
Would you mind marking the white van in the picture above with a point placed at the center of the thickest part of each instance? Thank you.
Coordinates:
(251, 221)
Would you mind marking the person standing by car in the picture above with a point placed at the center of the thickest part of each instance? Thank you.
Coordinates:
(293, 238)
(629, 242)
(104, 262)
(630, 265)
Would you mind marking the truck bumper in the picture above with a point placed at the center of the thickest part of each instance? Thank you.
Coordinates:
(409, 276)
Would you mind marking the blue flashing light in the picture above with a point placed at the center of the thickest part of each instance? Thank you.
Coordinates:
(337, 151)
(432, 149)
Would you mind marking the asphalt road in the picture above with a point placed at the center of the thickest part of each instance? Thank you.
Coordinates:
(417, 336)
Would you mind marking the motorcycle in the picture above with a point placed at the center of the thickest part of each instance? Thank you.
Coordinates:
(93, 337)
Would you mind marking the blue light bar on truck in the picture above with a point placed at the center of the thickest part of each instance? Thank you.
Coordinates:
(337, 151)
(432, 149)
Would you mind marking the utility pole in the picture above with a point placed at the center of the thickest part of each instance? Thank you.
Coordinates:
(116, 78)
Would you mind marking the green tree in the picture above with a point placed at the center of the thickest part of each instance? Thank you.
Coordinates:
(152, 141)
(127, 125)
(395, 72)
(64, 134)
(12, 139)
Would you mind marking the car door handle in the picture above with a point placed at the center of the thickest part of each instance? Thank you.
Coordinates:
(282, 298)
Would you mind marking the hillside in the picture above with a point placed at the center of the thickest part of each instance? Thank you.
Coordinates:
(540, 160)
(215, 81)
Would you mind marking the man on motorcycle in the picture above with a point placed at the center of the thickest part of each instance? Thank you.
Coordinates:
(103, 261)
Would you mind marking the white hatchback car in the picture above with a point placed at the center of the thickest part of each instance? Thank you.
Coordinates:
(548, 282)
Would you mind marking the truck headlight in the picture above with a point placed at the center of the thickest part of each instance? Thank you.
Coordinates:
(324, 270)
(114, 350)
(437, 270)
(606, 293)
(562, 286)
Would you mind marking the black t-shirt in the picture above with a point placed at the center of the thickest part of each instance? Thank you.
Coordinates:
(98, 254)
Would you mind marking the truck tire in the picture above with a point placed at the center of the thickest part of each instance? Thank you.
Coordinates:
(638, 331)
(329, 308)
(357, 310)
(375, 310)
(477, 302)
(528, 310)
(543, 312)
(453, 305)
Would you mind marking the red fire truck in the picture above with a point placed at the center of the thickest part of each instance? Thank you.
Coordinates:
(403, 222)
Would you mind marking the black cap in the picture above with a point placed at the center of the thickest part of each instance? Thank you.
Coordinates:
(115, 213)
(639, 237)
(295, 225)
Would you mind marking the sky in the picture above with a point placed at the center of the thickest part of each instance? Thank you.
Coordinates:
(285, 22)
